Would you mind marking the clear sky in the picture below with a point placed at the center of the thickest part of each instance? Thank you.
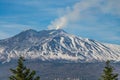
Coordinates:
(94, 19)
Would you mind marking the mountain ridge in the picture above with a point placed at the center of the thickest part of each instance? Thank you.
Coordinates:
(56, 45)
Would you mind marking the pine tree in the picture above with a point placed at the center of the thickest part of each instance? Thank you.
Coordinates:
(108, 73)
(22, 73)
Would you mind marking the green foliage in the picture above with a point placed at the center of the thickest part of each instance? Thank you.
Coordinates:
(22, 73)
(108, 73)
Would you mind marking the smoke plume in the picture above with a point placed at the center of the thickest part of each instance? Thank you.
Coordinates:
(72, 14)
(58, 23)
(83, 10)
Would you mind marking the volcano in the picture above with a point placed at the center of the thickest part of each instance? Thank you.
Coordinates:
(56, 45)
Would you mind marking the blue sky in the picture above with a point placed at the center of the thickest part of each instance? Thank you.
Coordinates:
(94, 19)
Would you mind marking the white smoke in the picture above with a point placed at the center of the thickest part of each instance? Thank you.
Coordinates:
(81, 10)
(58, 23)
(72, 14)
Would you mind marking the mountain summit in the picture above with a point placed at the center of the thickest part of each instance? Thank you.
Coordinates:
(56, 45)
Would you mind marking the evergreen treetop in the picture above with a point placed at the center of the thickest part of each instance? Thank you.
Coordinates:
(22, 72)
(108, 72)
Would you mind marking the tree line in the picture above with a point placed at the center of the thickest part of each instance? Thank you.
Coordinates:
(21, 72)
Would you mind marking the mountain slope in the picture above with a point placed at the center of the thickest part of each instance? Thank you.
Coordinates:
(56, 45)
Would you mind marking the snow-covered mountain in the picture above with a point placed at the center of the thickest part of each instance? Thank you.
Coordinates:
(56, 45)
